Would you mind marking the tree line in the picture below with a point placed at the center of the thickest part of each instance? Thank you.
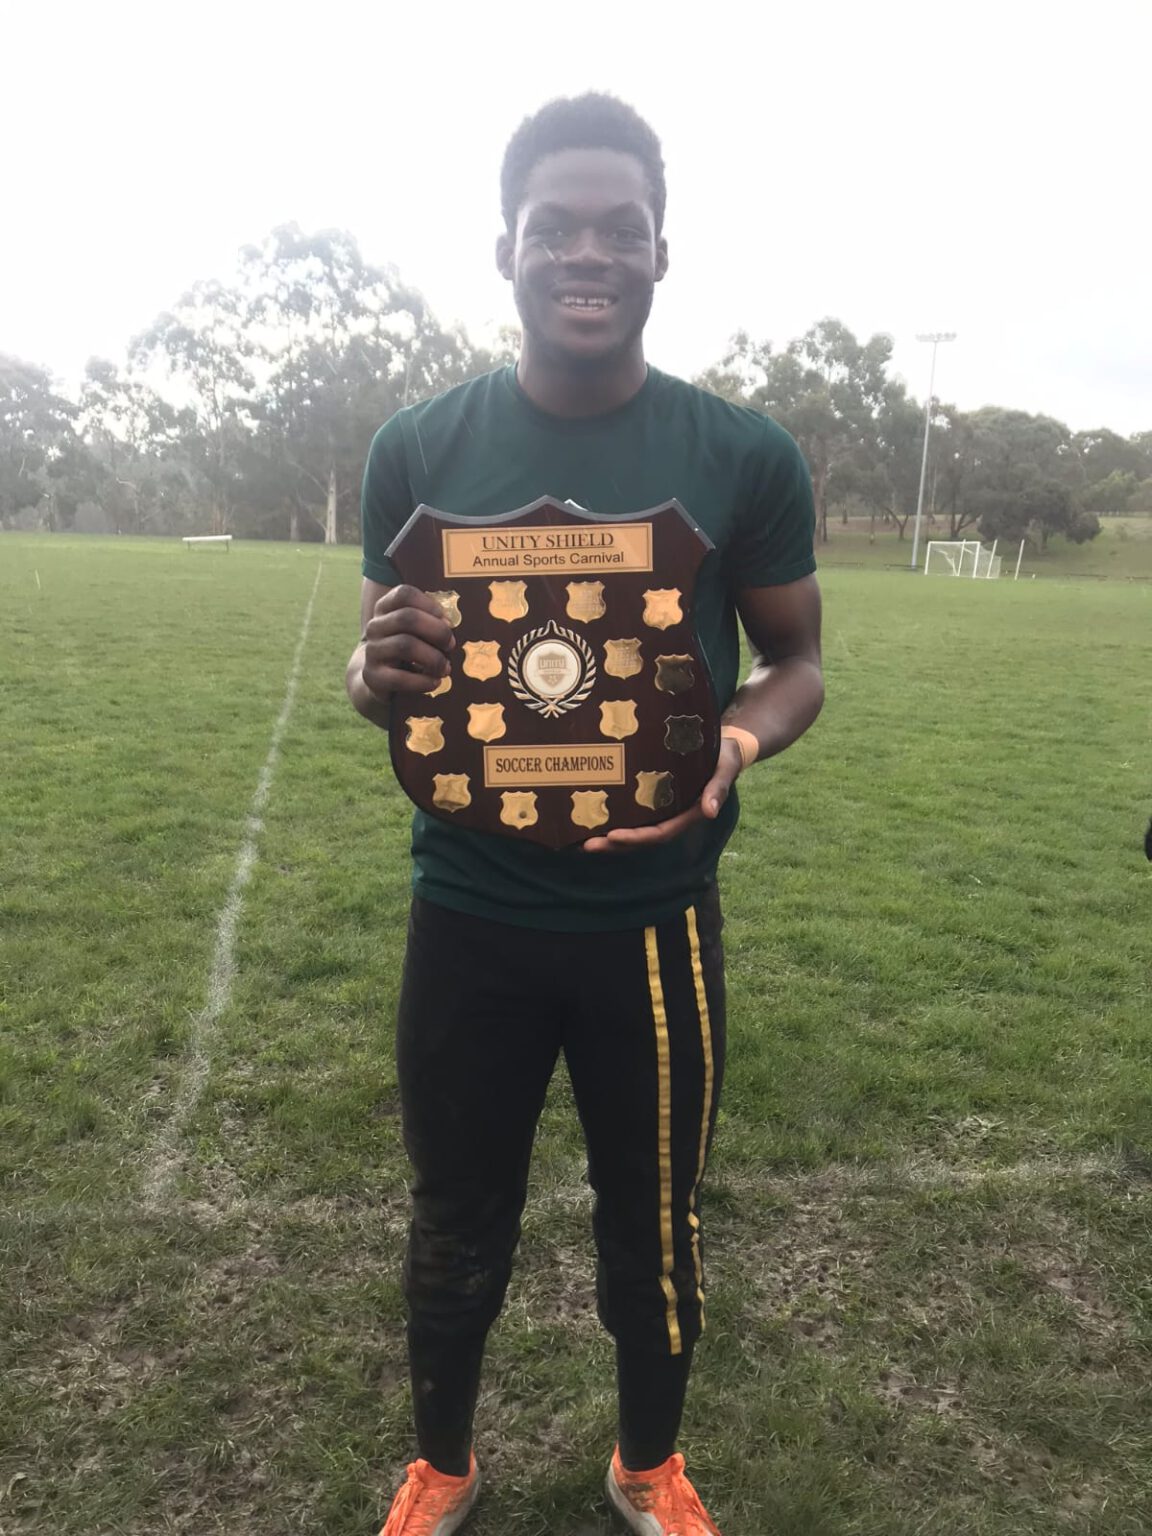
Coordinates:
(249, 406)
(996, 472)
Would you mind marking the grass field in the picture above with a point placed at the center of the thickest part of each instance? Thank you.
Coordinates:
(1121, 551)
(930, 1210)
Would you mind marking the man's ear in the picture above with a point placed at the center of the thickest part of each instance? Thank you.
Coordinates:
(505, 255)
(661, 258)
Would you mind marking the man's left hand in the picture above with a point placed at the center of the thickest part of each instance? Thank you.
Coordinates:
(707, 808)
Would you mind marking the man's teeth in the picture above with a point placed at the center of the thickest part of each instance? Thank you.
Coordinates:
(582, 301)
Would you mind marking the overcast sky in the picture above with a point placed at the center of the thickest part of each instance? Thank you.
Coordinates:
(978, 168)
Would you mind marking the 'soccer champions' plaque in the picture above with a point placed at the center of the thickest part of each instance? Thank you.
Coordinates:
(579, 698)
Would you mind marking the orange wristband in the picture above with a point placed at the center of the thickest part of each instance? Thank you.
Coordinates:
(749, 746)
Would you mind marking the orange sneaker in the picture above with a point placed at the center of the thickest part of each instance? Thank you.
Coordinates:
(661, 1502)
(431, 1503)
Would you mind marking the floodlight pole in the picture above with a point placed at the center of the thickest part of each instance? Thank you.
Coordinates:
(935, 337)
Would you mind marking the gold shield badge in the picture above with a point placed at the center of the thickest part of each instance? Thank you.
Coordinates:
(486, 721)
(662, 607)
(450, 791)
(622, 658)
(449, 606)
(618, 718)
(518, 808)
(482, 659)
(589, 807)
(509, 600)
(586, 601)
(674, 674)
(425, 734)
(655, 790)
(684, 733)
(442, 687)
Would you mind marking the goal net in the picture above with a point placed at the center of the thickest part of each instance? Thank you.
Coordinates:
(961, 557)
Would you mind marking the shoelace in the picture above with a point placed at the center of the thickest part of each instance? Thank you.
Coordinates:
(672, 1499)
(406, 1501)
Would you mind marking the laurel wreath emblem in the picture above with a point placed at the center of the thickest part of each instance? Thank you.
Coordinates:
(550, 708)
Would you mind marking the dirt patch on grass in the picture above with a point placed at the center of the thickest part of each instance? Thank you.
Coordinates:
(1066, 1272)
(553, 1286)
(805, 1272)
(899, 1390)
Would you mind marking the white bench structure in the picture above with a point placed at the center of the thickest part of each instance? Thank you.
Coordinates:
(208, 538)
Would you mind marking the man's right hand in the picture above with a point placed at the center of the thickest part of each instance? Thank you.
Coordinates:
(407, 642)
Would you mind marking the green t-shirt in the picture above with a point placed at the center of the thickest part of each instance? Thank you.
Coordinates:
(484, 448)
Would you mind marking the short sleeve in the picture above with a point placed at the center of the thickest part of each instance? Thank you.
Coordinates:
(774, 540)
(385, 501)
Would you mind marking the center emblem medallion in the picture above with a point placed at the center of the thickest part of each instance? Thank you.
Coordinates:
(552, 670)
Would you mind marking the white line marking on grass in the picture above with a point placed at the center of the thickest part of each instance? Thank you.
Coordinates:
(827, 1186)
(165, 1159)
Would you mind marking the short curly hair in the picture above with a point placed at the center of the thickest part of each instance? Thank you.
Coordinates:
(591, 121)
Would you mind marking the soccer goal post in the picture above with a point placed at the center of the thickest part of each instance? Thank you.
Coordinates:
(961, 557)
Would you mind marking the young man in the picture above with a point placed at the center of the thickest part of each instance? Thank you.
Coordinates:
(621, 967)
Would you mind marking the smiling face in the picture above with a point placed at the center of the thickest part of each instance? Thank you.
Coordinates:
(585, 255)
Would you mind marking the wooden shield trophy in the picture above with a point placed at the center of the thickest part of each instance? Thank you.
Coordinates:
(579, 698)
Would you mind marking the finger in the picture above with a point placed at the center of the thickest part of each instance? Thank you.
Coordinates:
(407, 654)
(432, 628)
(728, 769)
(623, 839)
(714, 794)
(383, 681)
(406, 596)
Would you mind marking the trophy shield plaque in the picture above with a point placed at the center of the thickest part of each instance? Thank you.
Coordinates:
(578, 698)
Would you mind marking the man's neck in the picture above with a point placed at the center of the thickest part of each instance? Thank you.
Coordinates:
(553, 384)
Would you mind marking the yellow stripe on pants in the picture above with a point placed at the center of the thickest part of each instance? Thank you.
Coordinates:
(664, 1134)
(709, 1080)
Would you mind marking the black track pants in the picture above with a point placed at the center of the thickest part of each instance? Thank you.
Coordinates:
(485, 1011)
